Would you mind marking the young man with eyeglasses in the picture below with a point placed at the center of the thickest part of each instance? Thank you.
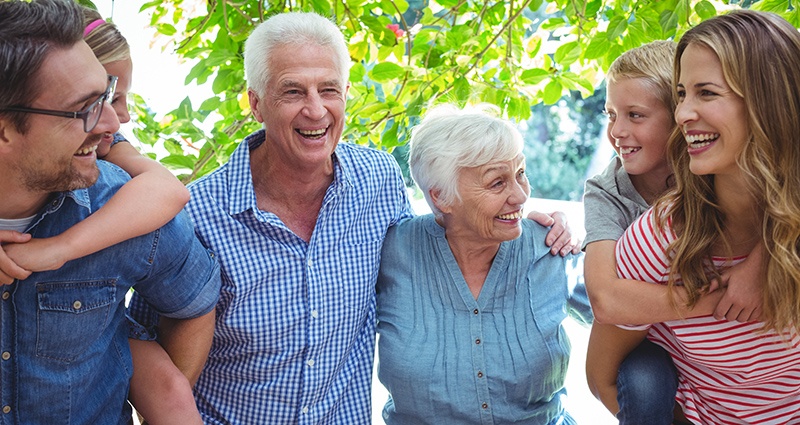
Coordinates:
(63, 334)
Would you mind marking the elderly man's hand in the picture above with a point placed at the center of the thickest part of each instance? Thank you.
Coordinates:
(559, 238)
(9, 270)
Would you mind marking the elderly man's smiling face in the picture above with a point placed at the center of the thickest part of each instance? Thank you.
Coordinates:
(303, 105)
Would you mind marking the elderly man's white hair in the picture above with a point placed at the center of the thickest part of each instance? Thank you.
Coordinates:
(450, 139)
(292, 28)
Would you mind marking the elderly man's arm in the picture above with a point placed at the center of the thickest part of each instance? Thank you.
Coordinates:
(188, 341)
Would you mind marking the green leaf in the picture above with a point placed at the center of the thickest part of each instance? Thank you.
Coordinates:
(210, 104)
(616, 27)
(386, 71)
(178, 162)
(534, 76)
(166, 29)
(461, 89)
(567, 53)
(705, 9)
(776, 6)
(552, 92)
(598, 46)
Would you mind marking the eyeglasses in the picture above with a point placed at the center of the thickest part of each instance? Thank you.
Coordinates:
(90, 115)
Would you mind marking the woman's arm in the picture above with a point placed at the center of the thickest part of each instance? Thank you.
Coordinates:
(159, 391)
(148, 201)
(608, 347)
(621, 301)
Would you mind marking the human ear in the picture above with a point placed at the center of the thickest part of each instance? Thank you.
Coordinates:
(435, 195)
(253, 99)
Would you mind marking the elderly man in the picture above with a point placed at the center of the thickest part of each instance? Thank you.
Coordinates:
(63, 333)
(297, 220)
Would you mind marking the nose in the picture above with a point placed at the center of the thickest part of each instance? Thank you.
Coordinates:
(314, 107)
(617, 130)
(121, 109)
(108, 123)
(519, 192)
(685, 112)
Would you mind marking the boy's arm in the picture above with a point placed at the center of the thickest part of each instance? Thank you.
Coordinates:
(743, 298)
(148, 201)
(608, 347)
(621, 301)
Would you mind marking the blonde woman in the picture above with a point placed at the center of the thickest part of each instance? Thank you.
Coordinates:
(736, 156)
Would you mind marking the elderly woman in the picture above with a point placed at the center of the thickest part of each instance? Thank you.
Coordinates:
(470, 301)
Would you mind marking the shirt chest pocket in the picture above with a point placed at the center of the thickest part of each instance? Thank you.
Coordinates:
(71, 316)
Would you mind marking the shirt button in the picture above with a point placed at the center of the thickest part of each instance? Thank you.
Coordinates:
(305, 410)
(6, 355)
(475, 311)
(6, 294)
(478, 341)
(485, 406)
(314, 314)
(77, 305)
(310, 362)
(6, 409)
(480, 374)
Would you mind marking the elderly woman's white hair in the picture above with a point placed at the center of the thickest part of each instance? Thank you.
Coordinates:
(296, 29)
(449, 139)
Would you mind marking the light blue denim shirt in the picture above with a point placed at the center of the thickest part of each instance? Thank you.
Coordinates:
(447, 358)
(64, 337)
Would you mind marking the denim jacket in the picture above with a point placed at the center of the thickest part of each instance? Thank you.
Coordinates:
(63, 335)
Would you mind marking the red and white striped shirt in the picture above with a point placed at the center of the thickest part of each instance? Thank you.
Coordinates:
(729, 372)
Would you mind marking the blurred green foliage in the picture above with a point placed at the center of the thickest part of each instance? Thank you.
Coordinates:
(530, 58)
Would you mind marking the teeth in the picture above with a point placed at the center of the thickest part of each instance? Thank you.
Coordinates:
(313, 133)
(627, 150)
(513, 216)
(700, 140)
(86, 150)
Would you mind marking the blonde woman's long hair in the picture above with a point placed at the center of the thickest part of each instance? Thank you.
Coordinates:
(760, 56)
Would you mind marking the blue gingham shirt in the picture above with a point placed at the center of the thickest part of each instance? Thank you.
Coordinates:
(295, 328)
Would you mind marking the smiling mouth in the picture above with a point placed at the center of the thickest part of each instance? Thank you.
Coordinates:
(86, 150)
(512, 216)
(627, 150)
(701, 140)
(313, 134)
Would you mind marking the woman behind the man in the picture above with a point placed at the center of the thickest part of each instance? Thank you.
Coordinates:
(469, 312)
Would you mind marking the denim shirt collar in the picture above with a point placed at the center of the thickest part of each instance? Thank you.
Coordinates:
(240, 177)
(79, 196)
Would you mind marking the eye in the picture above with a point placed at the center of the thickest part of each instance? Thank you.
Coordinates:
(635, 115)
(611, 115)
(521, 173)
(681, 93)
(497, 184)
(707, 93)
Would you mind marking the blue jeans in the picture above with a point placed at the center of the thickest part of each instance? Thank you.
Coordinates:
(646, 386)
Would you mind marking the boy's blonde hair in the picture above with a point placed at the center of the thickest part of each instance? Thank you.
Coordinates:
(652, 62)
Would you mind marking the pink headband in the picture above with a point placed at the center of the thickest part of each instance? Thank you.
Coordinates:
(92, 26)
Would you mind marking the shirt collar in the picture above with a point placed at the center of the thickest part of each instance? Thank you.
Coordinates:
(79, 196)
(240, 177)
